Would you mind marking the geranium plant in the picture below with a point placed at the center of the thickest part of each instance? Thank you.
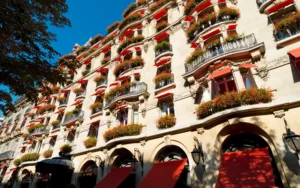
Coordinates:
(234, 99)
(80, 50)
(189, 6)
(157, 5)
(166, 121)
(96, 105)
(96, 54)
(31, 114)
(163, 45)
(30, 157)
(105, 60)
(160, 26)
(100, 78)
(78, 90)
(8, 134)
(129, 41)
(122, 130)
(197, 53)
(85, 72)
(112, 27)
(130, 19)
(213, 43)
(61, 99)
(55, 89)
(288, 22)
(90, 142)
(128, 64)
(164, 76)
(66, 148)
(18, 129)
(229, 13)
(47, 153)
(231, 38)
(85, 54)
(107, 39)
(55, 122)
(96, 39)
(25, 135)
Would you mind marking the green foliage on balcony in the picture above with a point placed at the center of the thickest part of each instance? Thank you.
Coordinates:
(197, 53)
(158, 4)
(130, 19)
(163, 45)
(47, 153)
(30, 157)
(96, 39)
(66, 148)
(112, 27)
(122, 130)
(161, 26)
(233, 13)
(288, 22)
(234, 99)
(80, 50)
(90, 142)
(125, 43)
(128, 64)
(166, 121)
(17, 162)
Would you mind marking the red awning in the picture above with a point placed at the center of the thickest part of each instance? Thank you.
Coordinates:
(125, 52)
(160, 14)
(98, 92)
(164, 95)
(120, 107)
(188, 18)
(232, 27)
(164, 174)
(137, 48)
(114, 178)
(211, 34)
(96, 46)
(102, 69)
(123, 78)
(117, 59)
(251, 167)
(295, 53)
(162, 62)
(195, 45)
(221, 1)
(128, 32)
(87, 61)
(280, 5)
(203, 6)
(139, 27)
(161, 36)
(77, 103)
(60, 111)
(220, 73)
(137, 74)
(248, 65)
(81, 81)
(114, 84)
(106, 49)
(79, 57)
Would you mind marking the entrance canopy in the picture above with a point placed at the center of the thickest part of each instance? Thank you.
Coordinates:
(250, 168)
(56, 164)
(163, 174)
(114, 178)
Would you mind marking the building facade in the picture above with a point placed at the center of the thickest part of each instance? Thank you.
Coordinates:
(180, 93)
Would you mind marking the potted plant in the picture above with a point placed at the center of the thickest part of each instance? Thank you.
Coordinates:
(155, 6)
(70, 113)
(80, 50)
(85, 54)
(18, 129)
(78, 90)
(66, 148)
(125, 43)
(162, 77)
(96, 106)
(76, 111)
(130, 19)
(17, 162)
(55, 122)
(189, 6)
(166, 121)
(107, 39)
(212, 44)
(105, 60)
(231, 38)
(197, 53)
(96, 39)
(99, 79)
(48, 153)
(61, 99)
(122, 130)
(112, 27)
(228, 13)
(163, 45)
(8, 134)
(160, 26)
(90, 142)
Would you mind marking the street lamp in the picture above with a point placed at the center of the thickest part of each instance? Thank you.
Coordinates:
(197, 153)
(291, 139)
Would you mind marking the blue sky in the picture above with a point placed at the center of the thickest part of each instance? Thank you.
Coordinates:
(88, 18)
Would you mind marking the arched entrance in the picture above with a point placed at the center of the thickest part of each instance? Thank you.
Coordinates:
(173, 153)
(88, 175)
(25, 179)
(13, 179)
(257, 156)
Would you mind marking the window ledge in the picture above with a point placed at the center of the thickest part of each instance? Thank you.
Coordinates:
(283, 41)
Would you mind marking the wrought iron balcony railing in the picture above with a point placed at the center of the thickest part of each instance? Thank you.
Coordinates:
(240, 44)
(134, 89)
(289, 32)
(81, 94)
(7, 155)
(40, 130)
(164, 83)
(159, 52)
(73, 117)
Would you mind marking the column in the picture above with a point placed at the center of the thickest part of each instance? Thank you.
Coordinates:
(207, 93)
(240, 85)
(130, 114)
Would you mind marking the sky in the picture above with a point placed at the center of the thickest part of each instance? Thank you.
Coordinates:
(88, 18)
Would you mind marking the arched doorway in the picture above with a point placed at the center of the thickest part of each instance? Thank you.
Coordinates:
(88, 175)
(173, 153)
(13, 179)
(240, 144)
(25, 179)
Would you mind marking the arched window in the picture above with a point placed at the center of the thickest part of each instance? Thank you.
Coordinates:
(88, 175)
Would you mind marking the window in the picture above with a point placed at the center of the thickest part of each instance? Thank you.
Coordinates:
(225, 84)
(71, 137)
(247, 78)
(33, 145)
(39, 145)
(52, 142)
(94, 128)
(23, 122)
(122, 117)
(47, 121)
(167, 107)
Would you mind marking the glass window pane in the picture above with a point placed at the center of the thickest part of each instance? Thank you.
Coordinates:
(221, 88)
(231, 85)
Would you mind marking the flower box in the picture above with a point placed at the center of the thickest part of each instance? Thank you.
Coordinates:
(234, 99)
(189, 6)
(55, 89)
(197, 53)
(130, 19)
(8, 134)
(229, 13)
(159, 27)
(163, 45)
(61, 99)
(85, 54)
(85, 72)
(55, 122)
(47, 107)
(97, 54)
(105, 60)
(90, 142)
(122, 130)
(212, 44)
(164, 76)
(25, 135)
(118, 89)
(80, 50)
(96, 105)
(107, 39)
(66, 148)
(96, 39)
(47, 153)
(18, 129)
(231, 38)
(31, 114)
(166, 121)
(112, 27)
(17, 162)
(30, 157)
(99, 79)
(288, 22)
(78, 90)
(129, 41)
(128, 64)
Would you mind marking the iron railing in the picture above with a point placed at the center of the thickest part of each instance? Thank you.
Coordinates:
(241, 43)
(73, 117)
(40, 130)
(291, 31)
(7, 155)
(94, 111)
(164, 83)
(161, 51)
(134, 89)
(104, 82)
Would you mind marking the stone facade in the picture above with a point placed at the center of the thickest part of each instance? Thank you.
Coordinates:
(146, 101)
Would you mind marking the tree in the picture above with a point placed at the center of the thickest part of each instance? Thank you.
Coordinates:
(26, 47)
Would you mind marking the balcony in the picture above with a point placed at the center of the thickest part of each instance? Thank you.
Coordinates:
(63, 103)
(56, 126)
(132, 91)
(289, 34)
(101, 83)
(7, 155)
(40, 131)
(237, 46)
(95, 111)
(262, 4)
(164, 83)
(73, 117)
(162, 51)
(80, 95)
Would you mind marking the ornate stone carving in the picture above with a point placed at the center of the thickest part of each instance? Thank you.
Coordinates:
(184, 25)
(143, 112)
(167, 139)
(262, 70)
(105, 151)
(279, 114)
(146, 45)
(143, 143)
(200, 130)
